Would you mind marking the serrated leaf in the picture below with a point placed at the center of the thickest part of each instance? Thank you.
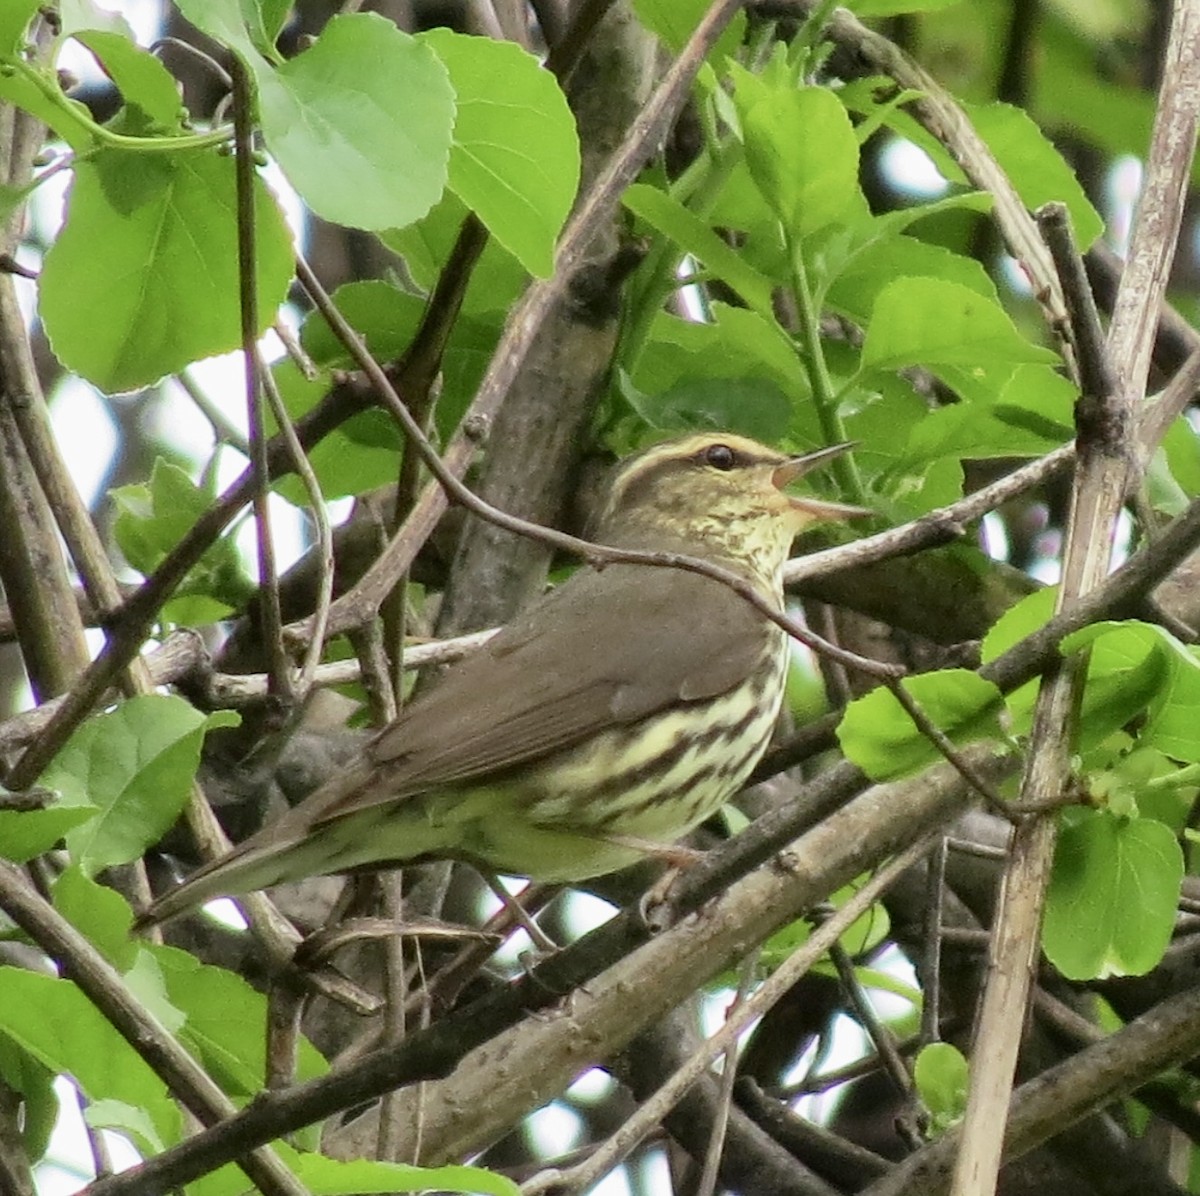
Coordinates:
(878, 735)
(515, 159)
(360, 122)
(135, 764)
(151, 520)
(932, 322)
(802, 152)
(1110, 908)
(146, 86)
(1035, 167)
(65, 1032)
(101, 914)
(225, 1019)
(130, 1120)
(151, 242)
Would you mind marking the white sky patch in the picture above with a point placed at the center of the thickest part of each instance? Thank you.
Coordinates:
(86, 434)
(1122, 188)
(911, 170)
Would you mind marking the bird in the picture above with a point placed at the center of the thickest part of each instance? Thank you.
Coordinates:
(617, 713)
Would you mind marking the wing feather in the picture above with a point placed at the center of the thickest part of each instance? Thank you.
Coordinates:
(602, 650)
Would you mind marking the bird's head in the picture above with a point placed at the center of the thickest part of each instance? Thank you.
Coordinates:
(716, 495)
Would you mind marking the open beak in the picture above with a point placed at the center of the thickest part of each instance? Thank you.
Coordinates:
(816, 508)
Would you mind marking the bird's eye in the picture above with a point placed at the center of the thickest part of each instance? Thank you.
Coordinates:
(720, 456)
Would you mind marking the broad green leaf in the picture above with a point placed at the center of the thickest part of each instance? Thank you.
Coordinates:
(426, 246)
(753, 407)
(101, 914)
(27, 833)
(941, 1076)
(135, 764)
(15, 16)
(881, 260)
(1031, 415)
(225, 22)
(1027, 616)
(25, 1074)
(1130, 666)
(878, 735)
(1036, 168)
(891, 8)
(738, 345)
(674, 21)
(128, 1119)
(384, 316)
(515, 160)
(150, 241)
(225, 1019)
(333, 1177)
(147, 88)
(692, 235)
(931, 322)
(65, 1032)
(802, 152)
(152, 519)
(361, 123)
(1110, 909)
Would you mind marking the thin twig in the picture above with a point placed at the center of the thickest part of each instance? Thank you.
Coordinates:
(652, 1111)
(268, 577)
(106, 989)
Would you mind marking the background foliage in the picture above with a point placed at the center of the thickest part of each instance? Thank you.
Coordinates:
(561, 233)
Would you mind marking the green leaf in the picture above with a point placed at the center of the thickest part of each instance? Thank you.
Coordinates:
(150, 241)
(1037, 170)
(755, 408)
(877, 734)
(225, 22)
(1129, 666)
(515, 161)
(692, 235)
(133, 1122)
(135, 764)
(1031, 415)
(1110, 909)
(931, 322)
(225, 1019)
(150, 522)
(65, 1032)
(674, 21)
(102, 915)
(147, 88)
(28, 833)
(882, 259)
(802, 152)
(39, 1102)
(333, 1177)
(15, 16)
(361, 123)
(941, 1076)
(739, 347)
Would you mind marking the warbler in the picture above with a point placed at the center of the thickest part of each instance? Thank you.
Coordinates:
(616, 713)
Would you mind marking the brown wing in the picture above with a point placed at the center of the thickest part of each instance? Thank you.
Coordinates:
(607, 648)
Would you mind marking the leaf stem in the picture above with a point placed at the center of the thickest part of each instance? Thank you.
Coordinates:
(824, 396)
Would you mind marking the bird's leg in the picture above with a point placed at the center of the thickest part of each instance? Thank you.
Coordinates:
(541, 940)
